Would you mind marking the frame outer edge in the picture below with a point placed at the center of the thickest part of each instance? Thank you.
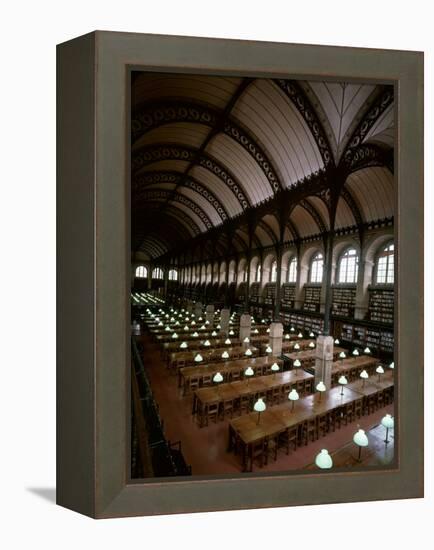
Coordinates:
(75, 366)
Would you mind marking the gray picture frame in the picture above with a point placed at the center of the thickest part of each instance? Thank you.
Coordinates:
(93, 274)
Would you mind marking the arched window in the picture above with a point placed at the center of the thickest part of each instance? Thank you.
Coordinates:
(258, 273)
(273, 272)
(385, 265)
(157, 273)
(292, 270)
(316, 268)
(141, 272)
(348, 265)
(173, 275)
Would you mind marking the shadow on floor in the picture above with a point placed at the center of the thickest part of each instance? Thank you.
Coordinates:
(47, 493)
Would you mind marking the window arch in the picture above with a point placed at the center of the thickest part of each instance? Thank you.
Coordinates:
(292, 270)
(141, 272)
(384, 271)
(173, 275)
(258, 273)
(273, 272)
(157, 273)
(317, 268)
(348, 266)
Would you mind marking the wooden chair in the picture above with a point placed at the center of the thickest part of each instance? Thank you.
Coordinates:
(211, 413)
(338, 417)
(257, 452)
(227, 408)
(274, 396)
(323, 424)
(271, 448)
(309, 431)
(349, 413)
(194, 382)
(289, 438)
(206, 380)
(245, 404)
(234, 375)
(358, 408)
(301, 387)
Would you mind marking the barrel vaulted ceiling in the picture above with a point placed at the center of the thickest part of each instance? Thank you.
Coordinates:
(207, 150)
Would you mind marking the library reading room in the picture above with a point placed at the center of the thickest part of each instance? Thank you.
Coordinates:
(262, 275)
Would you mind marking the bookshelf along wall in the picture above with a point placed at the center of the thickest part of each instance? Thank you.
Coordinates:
(270, 293)
(302, 322)
(288, 295)
(376, 338)
(254, 292)
(312, 298)
(381, 303)
(344, 301)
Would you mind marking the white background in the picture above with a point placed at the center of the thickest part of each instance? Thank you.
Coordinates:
(29, 33)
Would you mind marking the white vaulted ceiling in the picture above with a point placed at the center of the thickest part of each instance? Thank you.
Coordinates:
(207, 148)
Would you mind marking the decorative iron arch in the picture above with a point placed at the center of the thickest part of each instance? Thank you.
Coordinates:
(156, 153)
(295, 93)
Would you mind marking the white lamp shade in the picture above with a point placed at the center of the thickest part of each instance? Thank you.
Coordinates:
(168, 329)
(367, 351)
(297, 346)
(259, 406)
(263, 321)
(213, 333)
(174, 335)
(203, 327)
(342, 355)
(186, 328)
(193, 323)
(219, 327)
(248, 352)
(217, 378)
(360, 438)
(198, 358)
(172, 319)
(392, 365)
(297, 363)
(356, 353)
(364, 375)
(387, 421)
(268, 350)
(177, 324)
(300, 335)
(275, 367)
(227, 341)
(200, 319)
(312, 345)
(286, 336)
(231, 332)
(207, 343)
(206, 322)
(225, 355)
(249, 371)
(293, 395)
(160, 324)
(379, 370)
(195, 334)
(342, 380)
(321, 386)
(323, 460)
(292, 329)
(183, 345)
(311, 334)
(246, 340)
(268, 330)
(337, 342)
(255, 331)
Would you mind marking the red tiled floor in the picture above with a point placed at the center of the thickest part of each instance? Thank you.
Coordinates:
(205, 448)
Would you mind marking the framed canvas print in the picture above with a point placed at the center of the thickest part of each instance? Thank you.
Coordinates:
(240, 263)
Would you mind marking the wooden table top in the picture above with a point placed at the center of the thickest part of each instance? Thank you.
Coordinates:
(362, 362)
(208, 353)
(280, 417)
(372, 385)
(233, 390)
(229, 366)
(309, 354)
